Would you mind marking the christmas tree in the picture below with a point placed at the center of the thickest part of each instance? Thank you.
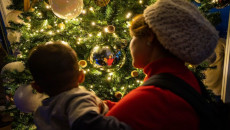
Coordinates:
(97, 31)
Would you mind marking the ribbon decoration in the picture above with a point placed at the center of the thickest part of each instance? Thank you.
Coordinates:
(26, 5)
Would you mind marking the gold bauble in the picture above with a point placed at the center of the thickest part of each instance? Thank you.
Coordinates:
(111, 29)
(118, 95)
(134, 73)
(66, 9)
(31, 9)
(82, 63)
(61, 26)
(101, 3)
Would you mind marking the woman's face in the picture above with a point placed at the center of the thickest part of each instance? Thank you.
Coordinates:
(140, 52)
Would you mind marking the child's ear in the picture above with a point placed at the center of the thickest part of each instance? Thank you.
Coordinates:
(81, 77)
(36, 87)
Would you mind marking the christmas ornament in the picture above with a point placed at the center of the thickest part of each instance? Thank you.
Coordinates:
(14, 66)
(66, 9)
(118, 95)
(31, 9)
(104, 57)
(111, 29)
(13, 36)
(61, 26)
(82, 63)
(26, 5)
(134, 73)
(27, 101)
(101, 3)
(13, 16)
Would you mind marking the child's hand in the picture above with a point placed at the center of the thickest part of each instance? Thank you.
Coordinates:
(105, 102)
(103, 108)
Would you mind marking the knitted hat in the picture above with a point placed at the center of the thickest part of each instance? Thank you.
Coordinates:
(181, 29)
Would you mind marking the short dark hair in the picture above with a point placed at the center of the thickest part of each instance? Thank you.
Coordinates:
(53, 66)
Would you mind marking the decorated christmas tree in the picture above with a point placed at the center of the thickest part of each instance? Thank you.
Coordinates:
(98, 30)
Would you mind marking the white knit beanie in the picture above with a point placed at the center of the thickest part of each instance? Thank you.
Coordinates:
(181, 29)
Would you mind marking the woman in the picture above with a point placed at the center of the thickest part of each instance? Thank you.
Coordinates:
(168, 34)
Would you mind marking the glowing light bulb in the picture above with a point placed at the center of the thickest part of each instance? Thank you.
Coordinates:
(79, 39)
(111, 74)
(93, 23)
(47, 6)
(140, 1)
(128, 15)
(63, 42)
(99, 34)
(128, 24)
(91, 8)
(66, 21)
(115, 35)
(83, 11)
(50, 33)
(106, 29)
(28, 25)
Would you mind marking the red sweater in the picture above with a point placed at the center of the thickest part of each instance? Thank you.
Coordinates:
(152, 108)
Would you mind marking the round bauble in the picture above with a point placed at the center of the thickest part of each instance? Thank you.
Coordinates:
(66, 9)
(111, 29)
(101, 3)
(13, 16)
(134, 73)
(27, 101)
(106, 57)
(14, 66)
(82, 63)
(118, 95)
(61, 26)
(31, 9)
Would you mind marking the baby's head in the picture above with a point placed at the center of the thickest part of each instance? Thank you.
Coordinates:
(54, 67)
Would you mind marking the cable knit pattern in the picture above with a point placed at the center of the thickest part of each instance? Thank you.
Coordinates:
(182, 29)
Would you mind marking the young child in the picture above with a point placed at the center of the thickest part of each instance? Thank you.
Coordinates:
(55, 70)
